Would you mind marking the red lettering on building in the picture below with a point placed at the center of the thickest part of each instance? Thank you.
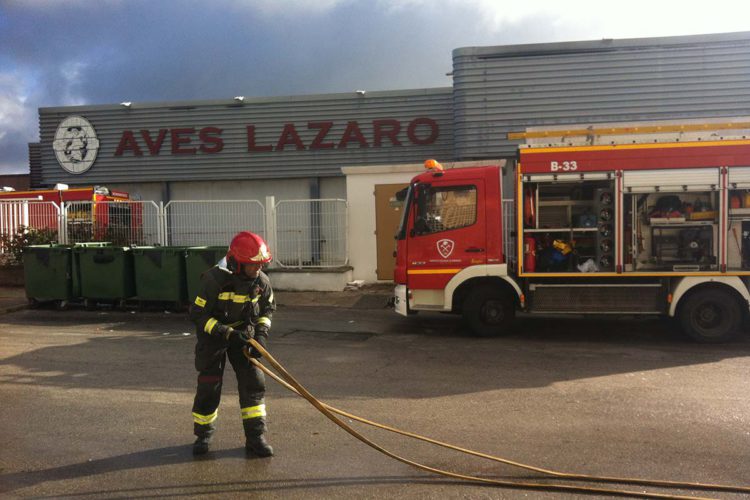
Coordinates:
(251, 146)
(324, 127)
(154, 146)
(420, 131)
(178, 139)
(353, 132)
(211, 142)
(411, 132)
(380, 131)
(289, 136)
(208, 135)
(127, 141)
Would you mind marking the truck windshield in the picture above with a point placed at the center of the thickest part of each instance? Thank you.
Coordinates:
(401, 234)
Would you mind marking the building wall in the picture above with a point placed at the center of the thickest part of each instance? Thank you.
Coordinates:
(261, 138)
(360, 189)
(287, 189)
(19, 182)
(508, 88)
(333, 188)
(153, 191)
(241, 190)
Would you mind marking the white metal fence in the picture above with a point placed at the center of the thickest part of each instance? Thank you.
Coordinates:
(119, 222)
(201, 223)
(301, 233)
(42, 217)
(311, 233)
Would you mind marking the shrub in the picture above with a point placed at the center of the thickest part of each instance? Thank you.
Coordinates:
(13, 245)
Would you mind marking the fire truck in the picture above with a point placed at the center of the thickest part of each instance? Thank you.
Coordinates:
(91, 213)
(622, 219)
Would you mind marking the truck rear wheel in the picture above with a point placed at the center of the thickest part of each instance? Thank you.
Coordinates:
(489, 311)
(711, 316)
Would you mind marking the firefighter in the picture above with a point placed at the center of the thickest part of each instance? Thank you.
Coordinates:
(235, 303)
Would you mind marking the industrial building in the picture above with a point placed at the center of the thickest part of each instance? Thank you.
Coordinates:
(365, 145)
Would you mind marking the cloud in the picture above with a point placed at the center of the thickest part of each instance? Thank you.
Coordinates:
(18, 123)
(293, 8)
(58, 53)
(587, 19)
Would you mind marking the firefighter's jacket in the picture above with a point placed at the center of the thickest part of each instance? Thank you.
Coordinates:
(227, 299)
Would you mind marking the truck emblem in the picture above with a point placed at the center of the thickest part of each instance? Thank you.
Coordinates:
(445, 247)
(75, 144)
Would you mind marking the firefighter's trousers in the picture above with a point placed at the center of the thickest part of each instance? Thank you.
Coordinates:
(210, 360)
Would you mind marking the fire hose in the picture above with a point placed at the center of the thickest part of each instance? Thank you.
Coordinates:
(290, 383)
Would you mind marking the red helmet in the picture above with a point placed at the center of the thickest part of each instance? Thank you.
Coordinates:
(247, 248)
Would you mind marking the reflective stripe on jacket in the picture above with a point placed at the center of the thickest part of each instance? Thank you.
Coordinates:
(226, 299)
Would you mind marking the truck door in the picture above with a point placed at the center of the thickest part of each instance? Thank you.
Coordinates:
(448, 232)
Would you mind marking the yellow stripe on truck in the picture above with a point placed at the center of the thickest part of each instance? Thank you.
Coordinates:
(433, 271)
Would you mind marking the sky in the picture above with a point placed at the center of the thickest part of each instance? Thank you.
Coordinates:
(74, 52)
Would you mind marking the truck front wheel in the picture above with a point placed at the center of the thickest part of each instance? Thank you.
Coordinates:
(489, 311)
(711, 316)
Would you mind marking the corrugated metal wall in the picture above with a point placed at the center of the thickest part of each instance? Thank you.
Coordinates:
(35, 164)
(508, 88)
(268, 115)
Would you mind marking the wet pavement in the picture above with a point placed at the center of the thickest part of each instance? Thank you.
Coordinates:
(97, 404)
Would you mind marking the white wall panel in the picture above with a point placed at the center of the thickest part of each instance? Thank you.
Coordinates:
(290, 189)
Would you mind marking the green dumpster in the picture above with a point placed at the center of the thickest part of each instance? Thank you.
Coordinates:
(160, 274)
(76, 271)
(48, 273)
(106, 272)
(198, 260)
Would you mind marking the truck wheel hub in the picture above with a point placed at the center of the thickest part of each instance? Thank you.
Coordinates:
(492, 311)
(708, 316)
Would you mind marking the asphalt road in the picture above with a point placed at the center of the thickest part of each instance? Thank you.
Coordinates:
(97, 405)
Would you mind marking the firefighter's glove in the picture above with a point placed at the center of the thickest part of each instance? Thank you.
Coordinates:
(237, 338)
(261, 335)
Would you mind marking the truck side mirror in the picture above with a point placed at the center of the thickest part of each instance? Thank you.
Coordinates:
(420, 226)
(420, 223)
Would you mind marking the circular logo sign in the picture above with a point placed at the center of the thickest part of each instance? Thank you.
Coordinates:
(75, 144)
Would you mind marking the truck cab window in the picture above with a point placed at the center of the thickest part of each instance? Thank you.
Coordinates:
(447, 208)
(406, 201)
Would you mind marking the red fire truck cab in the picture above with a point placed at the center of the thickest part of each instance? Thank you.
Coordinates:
(620, 220)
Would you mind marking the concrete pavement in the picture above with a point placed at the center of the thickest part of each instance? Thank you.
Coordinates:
(97, 405)
(372, 296)
(12, 298)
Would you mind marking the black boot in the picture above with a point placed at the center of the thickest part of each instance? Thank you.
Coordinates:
(200, 447)
(255, 440)
(204, 433)
(257, 445)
